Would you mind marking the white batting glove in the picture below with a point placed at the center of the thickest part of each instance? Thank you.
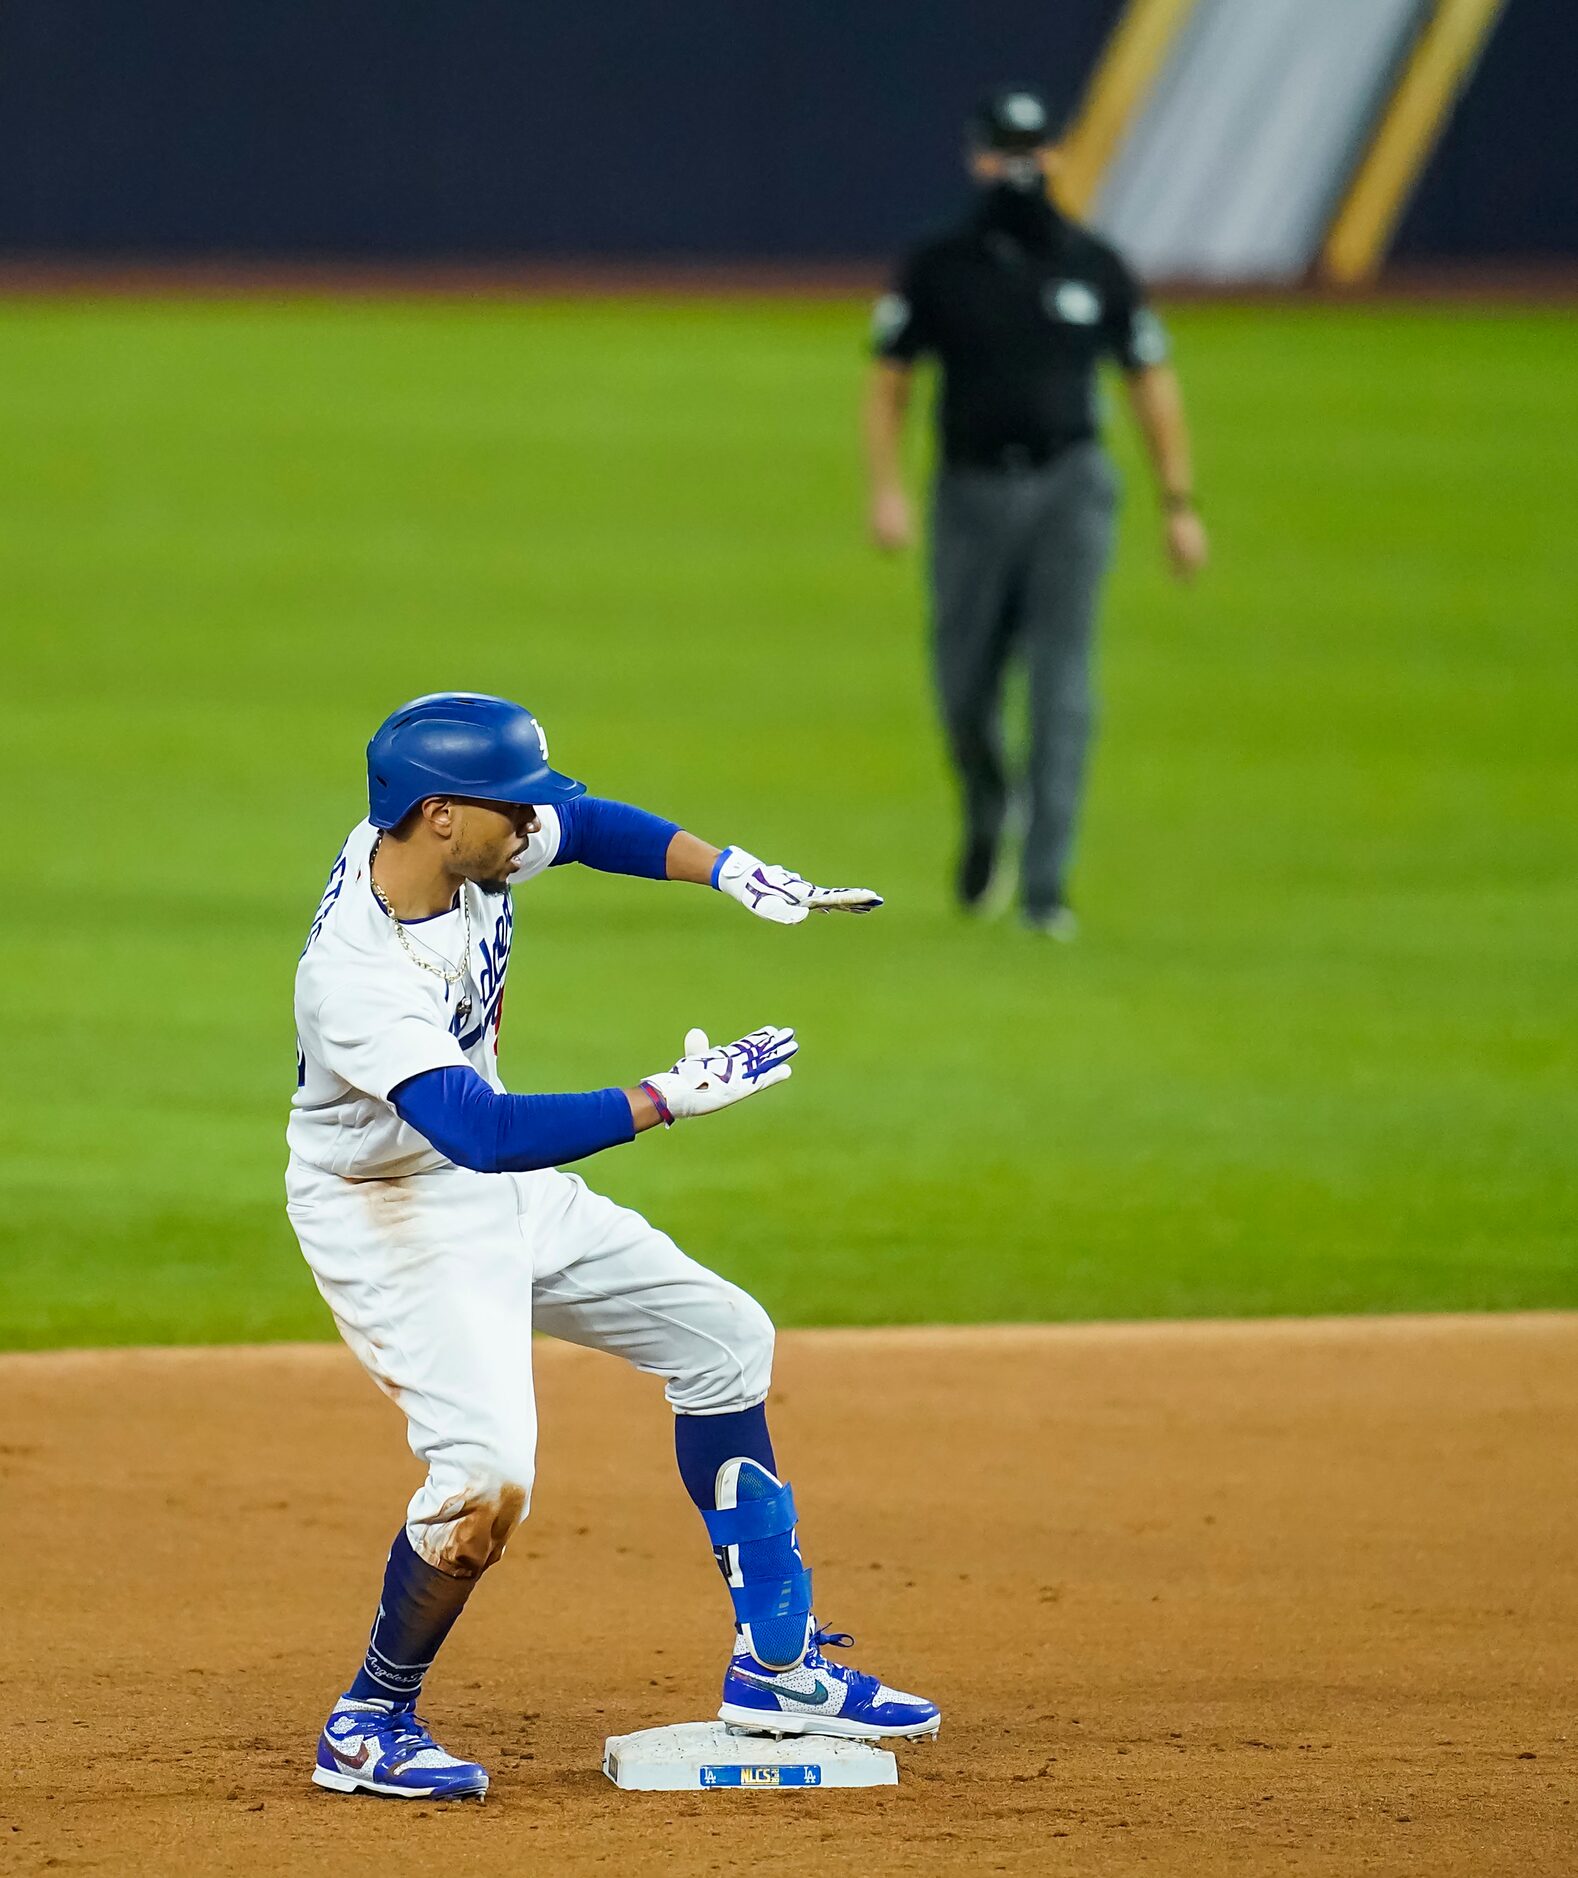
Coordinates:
(705, 1078)
(775, 893)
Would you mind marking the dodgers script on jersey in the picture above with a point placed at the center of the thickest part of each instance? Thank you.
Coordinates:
(368, 1017)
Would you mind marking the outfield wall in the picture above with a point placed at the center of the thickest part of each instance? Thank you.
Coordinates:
(1503, 178)
(489, 129)
(485, 127)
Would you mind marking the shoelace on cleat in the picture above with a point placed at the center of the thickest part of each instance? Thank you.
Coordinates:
(402, 1731)
(861, 1686)
(409, 1730)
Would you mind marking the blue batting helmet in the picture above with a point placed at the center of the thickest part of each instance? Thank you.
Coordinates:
(459, 743)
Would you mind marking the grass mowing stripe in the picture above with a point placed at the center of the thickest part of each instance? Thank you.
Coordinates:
(1312, 1053)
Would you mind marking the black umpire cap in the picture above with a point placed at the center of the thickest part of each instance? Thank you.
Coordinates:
(1013, 120)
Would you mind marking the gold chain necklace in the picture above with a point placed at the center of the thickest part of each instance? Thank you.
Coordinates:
(451, 974)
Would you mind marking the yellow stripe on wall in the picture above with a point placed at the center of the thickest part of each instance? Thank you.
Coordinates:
(1435, 75)
(1120, 85)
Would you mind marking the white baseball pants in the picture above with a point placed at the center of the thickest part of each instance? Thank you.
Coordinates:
(436, 1282)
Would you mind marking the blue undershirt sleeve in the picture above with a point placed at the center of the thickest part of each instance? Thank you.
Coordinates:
(475, 1126)
(614, 838)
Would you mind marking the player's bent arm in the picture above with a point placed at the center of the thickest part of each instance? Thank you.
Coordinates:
(476, 1127)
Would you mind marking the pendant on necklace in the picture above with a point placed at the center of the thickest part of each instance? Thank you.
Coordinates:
(463, 1008)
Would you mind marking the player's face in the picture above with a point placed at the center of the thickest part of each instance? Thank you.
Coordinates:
(486, 837)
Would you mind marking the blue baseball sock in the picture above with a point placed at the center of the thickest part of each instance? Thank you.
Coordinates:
(702, 1443)
(416, 1613)
(754, 1535)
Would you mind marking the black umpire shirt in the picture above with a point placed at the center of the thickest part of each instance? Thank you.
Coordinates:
(1018, 305)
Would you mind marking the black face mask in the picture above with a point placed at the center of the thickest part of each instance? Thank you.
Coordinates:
(1017, 206)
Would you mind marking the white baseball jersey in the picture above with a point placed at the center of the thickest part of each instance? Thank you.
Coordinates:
(437, 1275)
(368, 1017)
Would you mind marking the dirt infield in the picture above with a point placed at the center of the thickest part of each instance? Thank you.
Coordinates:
(1297, 1597)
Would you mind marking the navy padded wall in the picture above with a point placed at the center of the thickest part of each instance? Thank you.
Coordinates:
(491, 127)
(1504, 181)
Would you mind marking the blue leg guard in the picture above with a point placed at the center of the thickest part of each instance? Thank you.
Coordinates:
(752, 1528)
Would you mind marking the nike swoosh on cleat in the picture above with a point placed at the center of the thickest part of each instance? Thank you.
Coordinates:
(359, 1759)
(815, 1699)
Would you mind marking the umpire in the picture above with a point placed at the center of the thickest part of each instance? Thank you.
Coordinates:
(1019, 305)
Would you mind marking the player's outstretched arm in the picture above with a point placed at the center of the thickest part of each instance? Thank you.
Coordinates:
(615, 838)
(778, 893)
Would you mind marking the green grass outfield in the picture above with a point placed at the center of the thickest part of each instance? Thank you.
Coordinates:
(1315, 1051)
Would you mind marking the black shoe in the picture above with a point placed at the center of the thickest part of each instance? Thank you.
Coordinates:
(977, 881)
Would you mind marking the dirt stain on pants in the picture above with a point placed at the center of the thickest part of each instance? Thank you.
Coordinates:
(470, 1530)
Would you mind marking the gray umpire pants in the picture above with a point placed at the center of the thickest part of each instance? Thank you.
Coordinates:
(1017, 559)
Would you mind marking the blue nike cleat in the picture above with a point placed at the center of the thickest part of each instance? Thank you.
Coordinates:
(379, 1747)
(817, 1697)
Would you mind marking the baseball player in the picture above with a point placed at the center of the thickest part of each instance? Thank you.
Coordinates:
(430, 1207)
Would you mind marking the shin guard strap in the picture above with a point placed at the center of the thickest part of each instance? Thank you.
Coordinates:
(752, 1519)
(772, 1598)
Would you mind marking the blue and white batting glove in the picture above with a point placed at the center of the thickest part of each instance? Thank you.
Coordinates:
(775, 893)
(705, 1078)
